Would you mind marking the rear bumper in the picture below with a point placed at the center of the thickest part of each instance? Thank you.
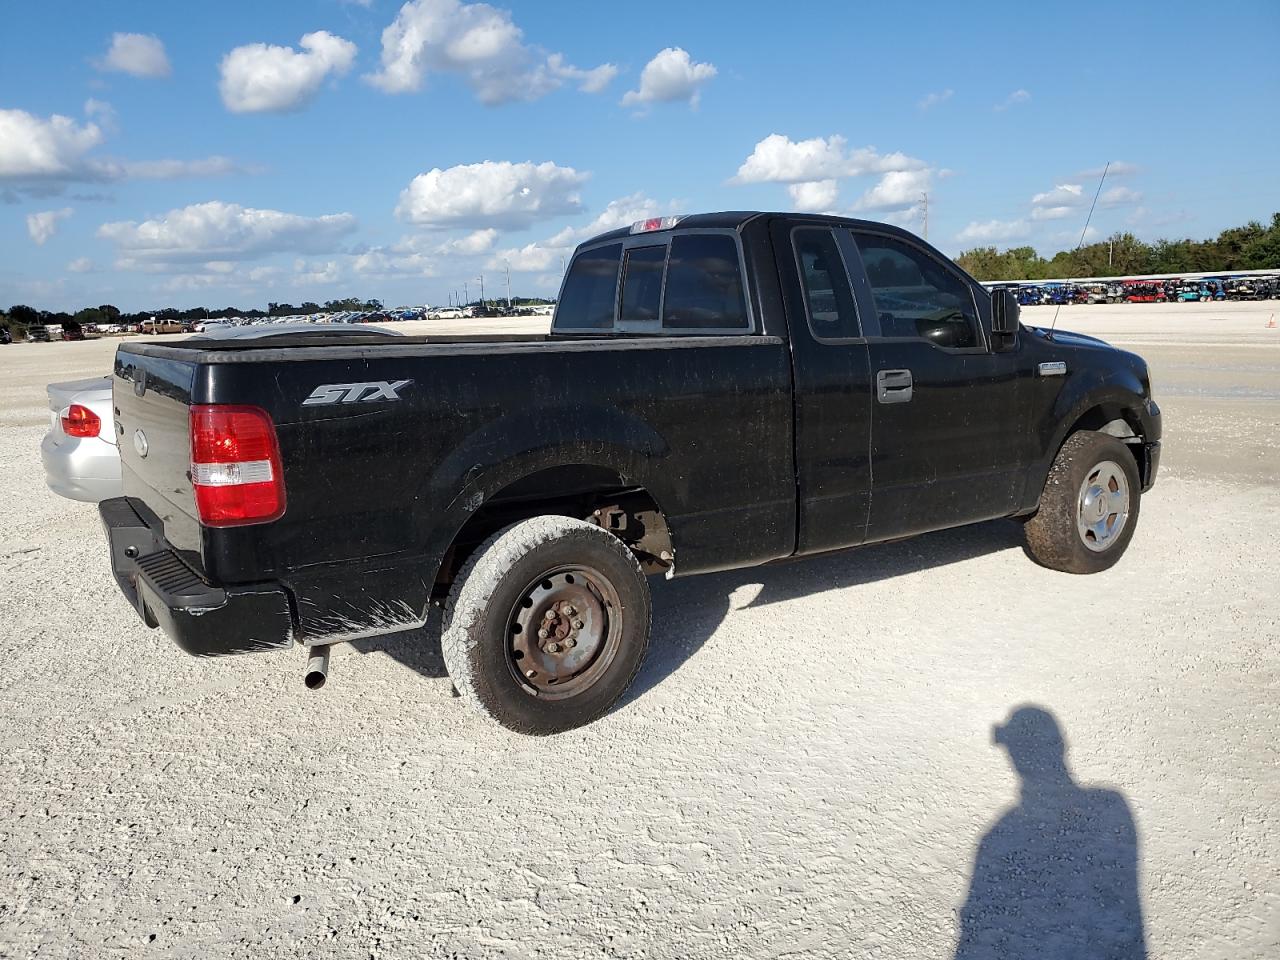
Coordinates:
(203, 619)
(87, 469)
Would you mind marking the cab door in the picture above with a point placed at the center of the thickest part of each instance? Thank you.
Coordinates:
(832, 387)
(945, 428)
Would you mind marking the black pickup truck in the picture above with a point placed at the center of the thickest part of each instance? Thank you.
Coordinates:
(716, 391)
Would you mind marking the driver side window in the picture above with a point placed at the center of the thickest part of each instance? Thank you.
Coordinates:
(916, 296)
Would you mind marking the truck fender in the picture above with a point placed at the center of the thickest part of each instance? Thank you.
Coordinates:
(1117, 393)
(520, 444)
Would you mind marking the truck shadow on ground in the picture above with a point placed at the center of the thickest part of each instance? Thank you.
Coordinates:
(687, 612)
(1056, 876)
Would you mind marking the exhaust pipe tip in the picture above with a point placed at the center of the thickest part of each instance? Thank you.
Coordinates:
(317, 668)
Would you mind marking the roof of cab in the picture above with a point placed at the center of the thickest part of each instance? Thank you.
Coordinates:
(737, 219)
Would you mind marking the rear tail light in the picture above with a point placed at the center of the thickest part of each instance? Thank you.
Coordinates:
(235, 465)
(78, 421)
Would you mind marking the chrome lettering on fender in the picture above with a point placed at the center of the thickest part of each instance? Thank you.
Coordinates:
(355, 392)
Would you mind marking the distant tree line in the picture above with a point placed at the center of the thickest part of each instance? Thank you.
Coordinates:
(1251, 247)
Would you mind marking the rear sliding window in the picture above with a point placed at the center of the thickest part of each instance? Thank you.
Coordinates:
(689, 283)
(642, 284)
(591, 290)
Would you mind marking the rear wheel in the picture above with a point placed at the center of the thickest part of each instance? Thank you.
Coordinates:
(547, 624)
(1089, 507)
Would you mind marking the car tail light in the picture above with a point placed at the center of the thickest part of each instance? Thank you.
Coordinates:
(235, 465)
(79, 421)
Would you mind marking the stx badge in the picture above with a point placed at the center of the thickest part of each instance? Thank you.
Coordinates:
(355, 392)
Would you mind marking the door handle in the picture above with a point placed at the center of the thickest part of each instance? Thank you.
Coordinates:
(893, 386)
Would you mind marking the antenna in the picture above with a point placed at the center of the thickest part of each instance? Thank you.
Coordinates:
(1097, 193)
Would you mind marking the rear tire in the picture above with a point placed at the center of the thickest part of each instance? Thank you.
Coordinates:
(1089, 507)
(546, 625)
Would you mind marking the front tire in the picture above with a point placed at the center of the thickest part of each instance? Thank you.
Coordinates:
(547, 625)
(1089, 507)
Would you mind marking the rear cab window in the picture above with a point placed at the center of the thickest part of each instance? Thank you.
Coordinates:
(672, 283)
(589, 297)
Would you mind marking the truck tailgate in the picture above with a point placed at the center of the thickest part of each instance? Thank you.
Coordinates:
(150, 402)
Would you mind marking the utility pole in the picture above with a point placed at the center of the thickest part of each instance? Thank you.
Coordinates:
(481, 279)
(562, 264)
(506, 265)
(925, 198)
(466, 293)
(1111, 245)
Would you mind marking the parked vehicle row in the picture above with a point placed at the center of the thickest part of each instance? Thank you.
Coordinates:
(1172, 290)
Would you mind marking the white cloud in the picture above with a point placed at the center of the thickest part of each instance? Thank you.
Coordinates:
(670, 76)
(896, 190)
(1064, 193)
(778, 159)
(933, 99)
(1013, 99)
(621, 212)
(491, 194)
(137, 54)
(223, 231)
(993, 231)
(44, 224)
(81, 265)
(260, 77)
(474, 243)
(314, 274)
(531, 258)
(481, 44)
(542, 255)
(33, 147)
(1057, 203)
(56, 149)
(813, 196)
(101, 111)
(1051, 213)
(380, 263)
(588, 81)
(1119, 196)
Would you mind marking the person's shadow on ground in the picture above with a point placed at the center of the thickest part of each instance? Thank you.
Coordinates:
(1056, 877)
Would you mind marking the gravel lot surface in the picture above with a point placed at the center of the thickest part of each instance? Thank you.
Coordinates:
(805, 767)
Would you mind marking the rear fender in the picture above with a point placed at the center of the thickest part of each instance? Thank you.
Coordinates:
(522, 444)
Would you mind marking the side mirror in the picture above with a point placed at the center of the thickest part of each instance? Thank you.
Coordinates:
(1004, 311)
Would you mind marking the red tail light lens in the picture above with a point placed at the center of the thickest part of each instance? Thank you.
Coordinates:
(78, 421)
(235, 465)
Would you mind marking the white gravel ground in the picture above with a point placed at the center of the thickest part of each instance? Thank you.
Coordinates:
(804, 768)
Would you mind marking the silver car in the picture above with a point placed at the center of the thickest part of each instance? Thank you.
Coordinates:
(79, 451)
(80, 457)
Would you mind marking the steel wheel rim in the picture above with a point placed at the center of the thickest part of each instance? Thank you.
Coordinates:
(1102, 508)
(563, 632)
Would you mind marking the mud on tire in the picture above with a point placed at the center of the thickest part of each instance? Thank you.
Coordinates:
(547, 624)
(1079, 527)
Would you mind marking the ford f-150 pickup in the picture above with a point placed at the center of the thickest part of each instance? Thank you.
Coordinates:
(716, 391)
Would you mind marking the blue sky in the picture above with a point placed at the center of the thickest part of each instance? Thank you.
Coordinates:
(235, 153)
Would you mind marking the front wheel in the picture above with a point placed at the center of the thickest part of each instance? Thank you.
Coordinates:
(547, 624)
(1089, 507)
